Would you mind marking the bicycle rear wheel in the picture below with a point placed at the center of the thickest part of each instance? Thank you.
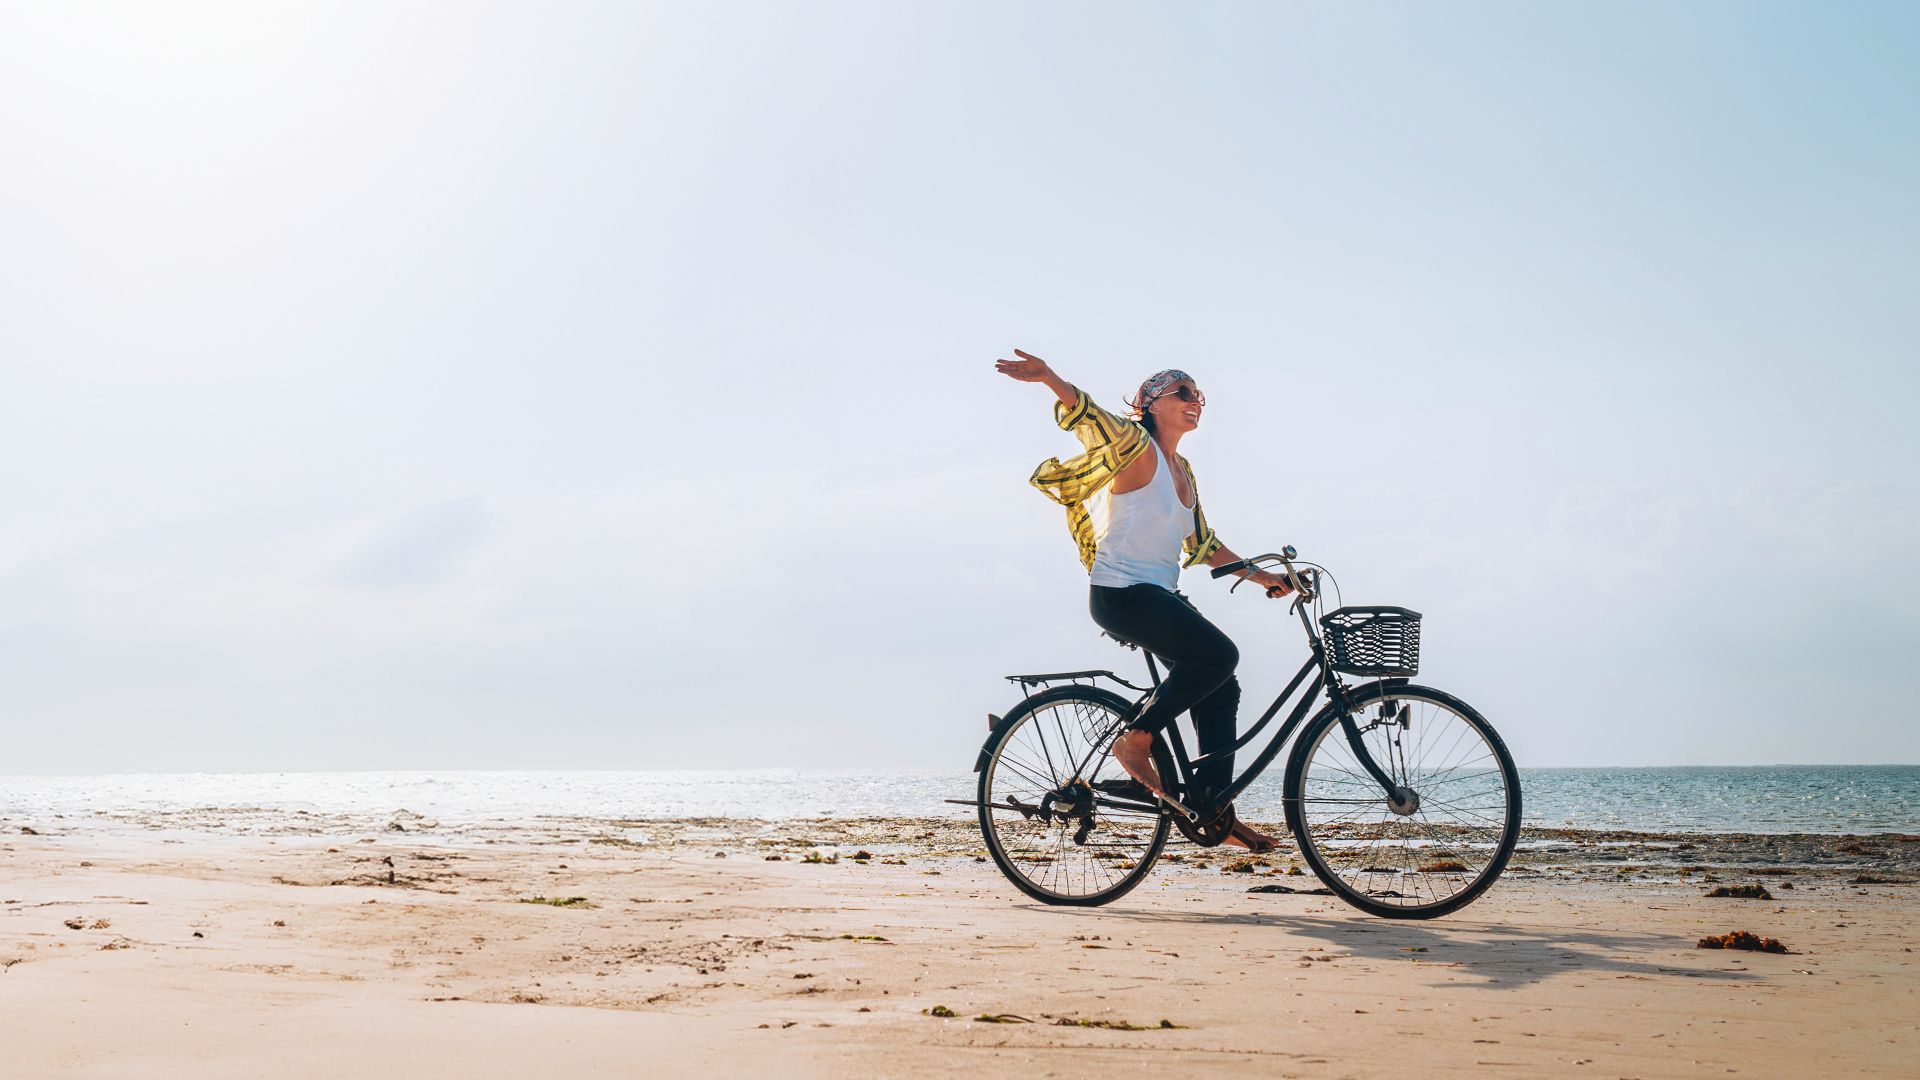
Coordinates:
(1415, 858)
(1050, 821)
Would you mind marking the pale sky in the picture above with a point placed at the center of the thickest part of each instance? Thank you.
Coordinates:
(610, 385)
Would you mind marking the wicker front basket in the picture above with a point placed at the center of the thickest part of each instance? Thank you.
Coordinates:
(1373, 641)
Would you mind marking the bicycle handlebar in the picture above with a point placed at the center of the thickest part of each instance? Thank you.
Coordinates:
(1285, 555)
(1305, 582)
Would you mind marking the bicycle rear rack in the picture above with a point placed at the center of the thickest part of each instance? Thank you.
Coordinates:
(1030, 681)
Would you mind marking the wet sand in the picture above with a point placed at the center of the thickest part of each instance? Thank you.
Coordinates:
(202, 947)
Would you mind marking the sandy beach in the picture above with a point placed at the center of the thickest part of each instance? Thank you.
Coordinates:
(175, 948)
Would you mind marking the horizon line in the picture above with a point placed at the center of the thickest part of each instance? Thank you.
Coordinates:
(872, 772)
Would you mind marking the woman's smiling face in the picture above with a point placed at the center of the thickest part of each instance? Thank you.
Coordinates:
(1178, 408)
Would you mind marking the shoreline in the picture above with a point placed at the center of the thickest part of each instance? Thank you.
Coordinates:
(1551, 852)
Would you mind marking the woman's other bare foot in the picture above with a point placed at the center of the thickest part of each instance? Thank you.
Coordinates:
(1134, 751)
(1251, 838)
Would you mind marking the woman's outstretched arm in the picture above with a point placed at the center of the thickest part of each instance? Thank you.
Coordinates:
(1030, 368)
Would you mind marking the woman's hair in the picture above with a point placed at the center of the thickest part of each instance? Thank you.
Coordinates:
(1155, 385)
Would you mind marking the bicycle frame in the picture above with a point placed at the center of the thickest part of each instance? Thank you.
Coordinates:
(1324, 677)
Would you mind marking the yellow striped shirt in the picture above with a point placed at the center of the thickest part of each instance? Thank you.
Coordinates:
(1111, 443)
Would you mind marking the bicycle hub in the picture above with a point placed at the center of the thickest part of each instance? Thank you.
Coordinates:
(1403, 801)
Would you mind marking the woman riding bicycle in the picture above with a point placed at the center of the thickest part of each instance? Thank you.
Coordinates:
(1137, 522)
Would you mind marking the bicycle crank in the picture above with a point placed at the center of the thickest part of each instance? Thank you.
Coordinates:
(1211, 832)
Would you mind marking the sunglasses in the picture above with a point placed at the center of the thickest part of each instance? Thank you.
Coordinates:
(1189, 393)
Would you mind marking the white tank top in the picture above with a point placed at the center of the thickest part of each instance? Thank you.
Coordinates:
(1138, 534)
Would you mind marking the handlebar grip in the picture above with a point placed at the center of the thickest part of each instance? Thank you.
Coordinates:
(1230, 568)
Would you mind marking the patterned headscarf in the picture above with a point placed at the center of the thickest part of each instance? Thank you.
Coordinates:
(1156, 386)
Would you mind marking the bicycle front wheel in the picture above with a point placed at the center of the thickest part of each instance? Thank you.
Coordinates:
(1053, 803)
(1437, 843)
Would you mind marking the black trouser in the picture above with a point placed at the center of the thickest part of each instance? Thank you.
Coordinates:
(1200, 662)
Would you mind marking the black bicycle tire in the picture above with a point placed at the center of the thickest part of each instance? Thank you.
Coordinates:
(1295, 779)
(990, 757)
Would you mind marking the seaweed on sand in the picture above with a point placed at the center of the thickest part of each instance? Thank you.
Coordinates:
(1741, 939)
(1741, 892)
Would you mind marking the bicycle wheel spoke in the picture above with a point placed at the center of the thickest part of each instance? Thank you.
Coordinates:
(1045, 783)
(1040, 735)
(1447, 777)
(1471, 813)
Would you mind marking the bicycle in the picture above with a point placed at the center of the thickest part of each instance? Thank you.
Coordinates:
(1403, 800)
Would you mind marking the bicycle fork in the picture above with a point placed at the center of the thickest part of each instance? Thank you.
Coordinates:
(1401, 799)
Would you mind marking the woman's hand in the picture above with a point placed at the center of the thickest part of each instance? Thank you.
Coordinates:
(1029, 368)
(1277, 585)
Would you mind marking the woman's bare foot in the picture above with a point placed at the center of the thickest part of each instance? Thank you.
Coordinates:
(1134, 751)
(1251, 838)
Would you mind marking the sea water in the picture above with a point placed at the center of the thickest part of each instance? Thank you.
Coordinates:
(1774, 799)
